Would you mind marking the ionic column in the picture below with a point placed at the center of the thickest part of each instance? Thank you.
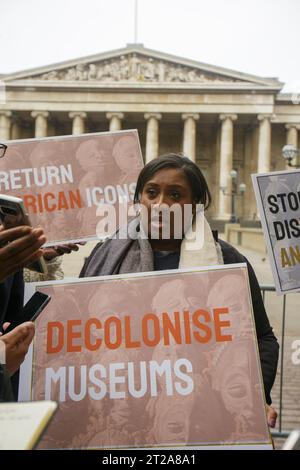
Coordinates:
(41, 124)
(78, 124)
(189, 135)
(152, 135)
(115, 121)
(5, 123)
(15, 130)
(264, 144)
(292, 139)
(226, 164)
(292, 134)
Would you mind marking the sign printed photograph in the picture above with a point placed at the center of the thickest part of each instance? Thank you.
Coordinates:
(63, 180)
(278, 198)
(177, 365)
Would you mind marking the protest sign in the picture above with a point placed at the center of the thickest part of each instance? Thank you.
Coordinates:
(278, 200)
(163, 359)
(64, 180)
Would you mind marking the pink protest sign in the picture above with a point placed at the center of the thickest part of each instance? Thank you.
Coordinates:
(64, 180)
(150, 360)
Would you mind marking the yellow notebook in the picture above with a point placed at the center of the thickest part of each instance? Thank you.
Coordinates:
(22, 424)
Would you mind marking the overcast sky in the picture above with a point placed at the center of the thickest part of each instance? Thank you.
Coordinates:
(261, 37)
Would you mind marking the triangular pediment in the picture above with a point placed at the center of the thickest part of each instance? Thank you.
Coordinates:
(136, 65)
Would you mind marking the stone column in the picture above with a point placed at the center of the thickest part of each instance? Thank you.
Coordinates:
(41, 124)
(152, 135)
(78, 124)
(292, 139)
(5, 123)
(226, 164)
(15, 130)
(264, 143)
(189, 135)
(292, 134)
(115, 121)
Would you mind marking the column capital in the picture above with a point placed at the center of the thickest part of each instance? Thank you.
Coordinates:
(232, 117)
(7, 114)
(15, 118)
(262, 117)
(44, 114)
(152, 115)
(292, 126)
(194, 116)
(117, 115)
(80, 114)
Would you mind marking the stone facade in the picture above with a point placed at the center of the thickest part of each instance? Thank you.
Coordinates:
(221, 119)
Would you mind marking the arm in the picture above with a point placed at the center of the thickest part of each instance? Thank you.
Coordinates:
(19, 247)
(15, 344)
(54, 271)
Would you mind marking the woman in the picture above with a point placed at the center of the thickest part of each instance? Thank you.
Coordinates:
(163, 182)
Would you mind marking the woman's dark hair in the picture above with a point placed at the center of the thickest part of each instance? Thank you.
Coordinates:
(194, 175)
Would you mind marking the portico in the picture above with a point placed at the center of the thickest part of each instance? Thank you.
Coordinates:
(221, 119)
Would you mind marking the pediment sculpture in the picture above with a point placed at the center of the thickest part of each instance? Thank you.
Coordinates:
(134, 68)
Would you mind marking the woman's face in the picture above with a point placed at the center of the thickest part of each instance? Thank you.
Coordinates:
(165, 188)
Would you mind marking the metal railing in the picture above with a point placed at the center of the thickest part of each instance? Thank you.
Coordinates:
(271, 288)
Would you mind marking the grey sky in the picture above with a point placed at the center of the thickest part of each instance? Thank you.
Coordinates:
(261, 37)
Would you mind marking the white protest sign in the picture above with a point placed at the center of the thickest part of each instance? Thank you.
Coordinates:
(278, 199)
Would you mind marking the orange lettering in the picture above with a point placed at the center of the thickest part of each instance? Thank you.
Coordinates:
(48, 196)
(128, 342)
(173, 328)
(207, 336)
(75, 198)
(30, 203)
(187, 327)
(62, 201)
(87, 334)
(221, 324)
(71, 335)
(145, 330)
(107, 333)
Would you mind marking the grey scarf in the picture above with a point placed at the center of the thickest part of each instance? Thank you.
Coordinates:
(125, 254)
(130, 253)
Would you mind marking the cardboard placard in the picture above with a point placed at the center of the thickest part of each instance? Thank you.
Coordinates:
(162, 359)
(278, 199)
(63, 180)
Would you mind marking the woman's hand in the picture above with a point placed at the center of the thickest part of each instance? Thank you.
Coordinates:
(4, 327)
(16, 344)
(271, 416)
(19, 247)
(53, 251)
